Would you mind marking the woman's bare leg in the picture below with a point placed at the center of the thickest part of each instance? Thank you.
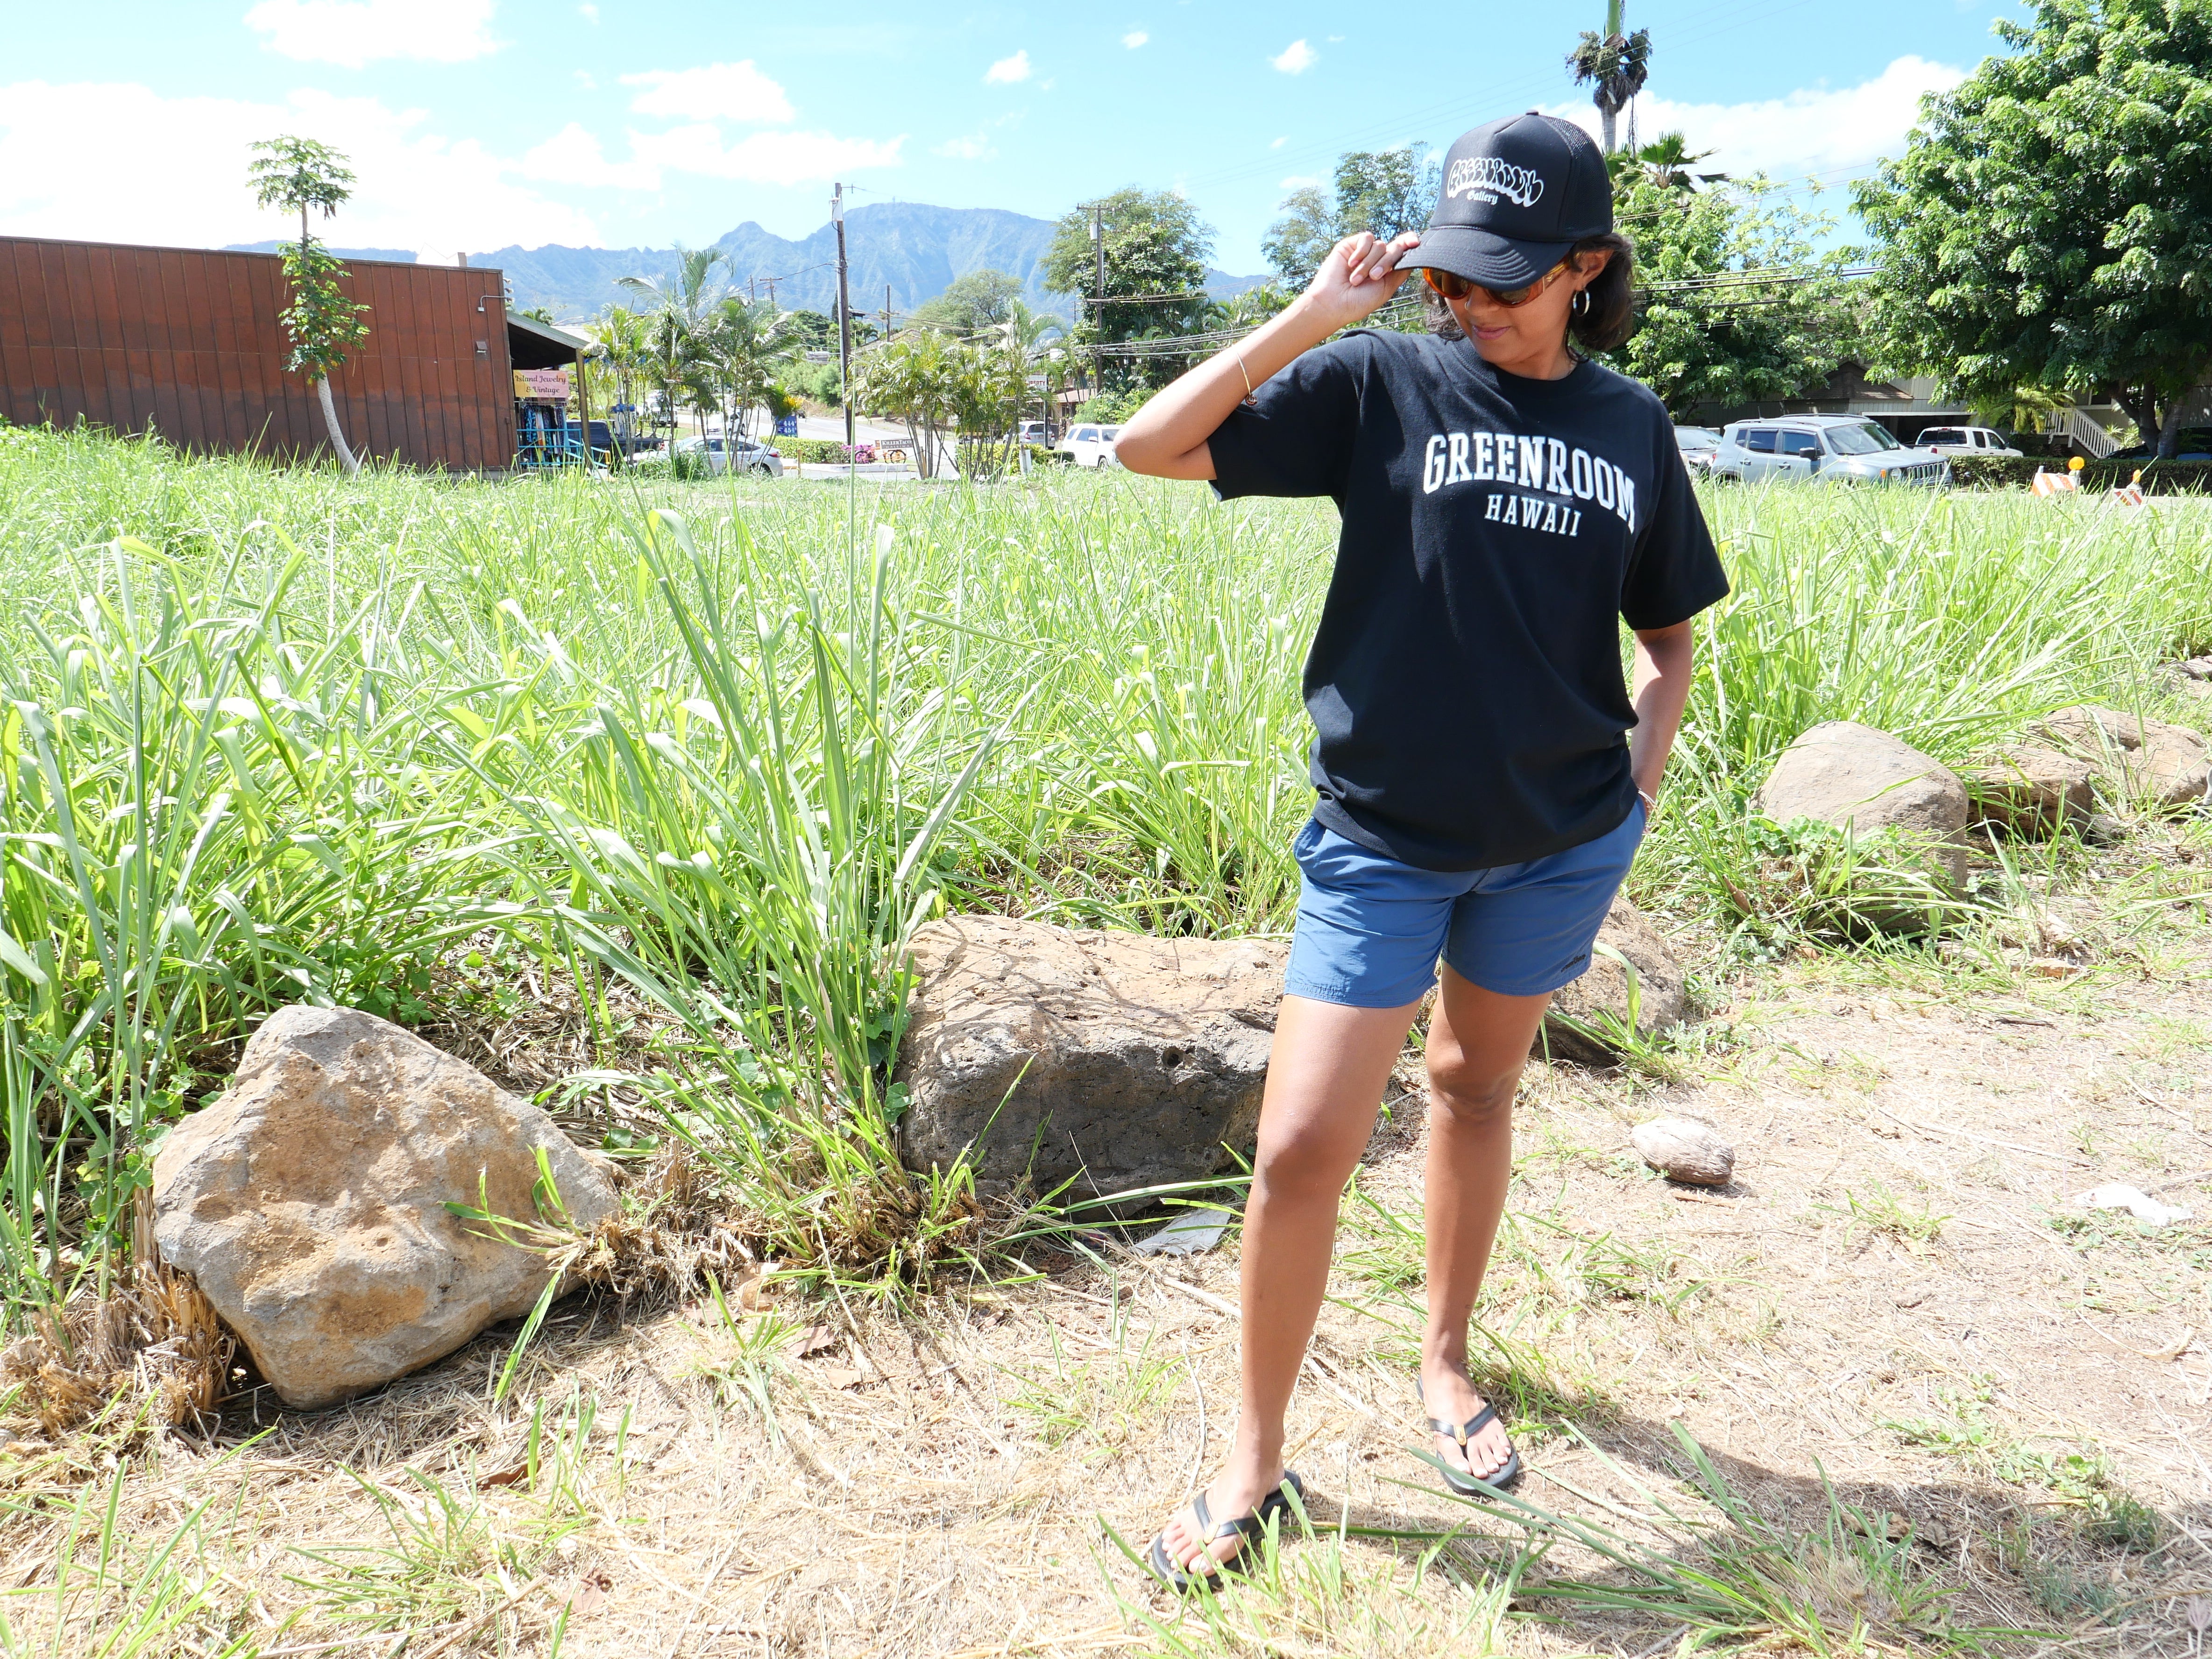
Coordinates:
(1326, 1074)
(1478, 1042)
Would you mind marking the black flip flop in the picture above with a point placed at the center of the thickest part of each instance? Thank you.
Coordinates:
(1249, 1527)
(1469, 1486)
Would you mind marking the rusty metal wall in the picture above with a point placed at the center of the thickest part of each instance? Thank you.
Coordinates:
(186, 342)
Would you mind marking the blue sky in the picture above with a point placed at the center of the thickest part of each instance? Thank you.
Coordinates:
(474, 123)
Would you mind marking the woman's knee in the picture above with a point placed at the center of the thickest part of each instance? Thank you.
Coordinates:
(1303, 1164)
(1470, 1094)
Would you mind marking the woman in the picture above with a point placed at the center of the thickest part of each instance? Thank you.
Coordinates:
(1484, 776)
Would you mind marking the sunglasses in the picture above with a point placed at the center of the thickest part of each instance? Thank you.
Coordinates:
(1452, 286)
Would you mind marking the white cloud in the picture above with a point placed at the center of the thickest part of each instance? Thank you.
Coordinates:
(1007, 70)
(587, 81)
(724, 92)
(764, 158)
(1135, 38)
(417, 189)
(1296, 59)
(574, 156)
(975, 149)
(352, 33)
(1279, 143)
(1827, 131)
(1299, 181)
(588, 12)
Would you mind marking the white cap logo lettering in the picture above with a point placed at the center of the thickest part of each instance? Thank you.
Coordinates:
(1473, 175)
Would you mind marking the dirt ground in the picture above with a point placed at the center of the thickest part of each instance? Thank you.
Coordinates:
(1897, 1307)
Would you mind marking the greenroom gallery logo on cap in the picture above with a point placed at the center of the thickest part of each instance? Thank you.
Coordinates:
(1492, 175)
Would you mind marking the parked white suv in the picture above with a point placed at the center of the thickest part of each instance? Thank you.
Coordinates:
(1830, 449)
(1966, 441)
(1090, 445)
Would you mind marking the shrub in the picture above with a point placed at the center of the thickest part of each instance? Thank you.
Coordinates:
(2159, 477)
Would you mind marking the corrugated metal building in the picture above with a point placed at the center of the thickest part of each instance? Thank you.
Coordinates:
(186, 342)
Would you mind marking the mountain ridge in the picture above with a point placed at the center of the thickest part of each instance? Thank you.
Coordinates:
(917, 249)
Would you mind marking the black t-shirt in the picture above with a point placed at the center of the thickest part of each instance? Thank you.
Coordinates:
(1465, 682)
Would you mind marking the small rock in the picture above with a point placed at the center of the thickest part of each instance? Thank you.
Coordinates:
(311, 1201)
(2197, 668)
(2168, 766)
(1661, 998)
(2029, 789)
(1851, 775)
(1685, 1151)
(2136, 1202)
(1115, 1060)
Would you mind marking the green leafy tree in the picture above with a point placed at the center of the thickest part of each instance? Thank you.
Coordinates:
(299, 174)
(1386, 192)
(812, 330)
(1613, 66)
(1297, 242)
(1155, 249)
(2050, 222)
(978, 300)
(1737, 303)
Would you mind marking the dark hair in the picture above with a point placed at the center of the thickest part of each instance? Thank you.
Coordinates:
(1608, 317)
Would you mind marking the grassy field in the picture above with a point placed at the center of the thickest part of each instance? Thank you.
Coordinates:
(684, 763)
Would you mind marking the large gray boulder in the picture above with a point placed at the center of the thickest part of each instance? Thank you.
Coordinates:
(2132, 759)
(310, 1202)
(1855, 776)
(1576, 1026)
(1118, 1061)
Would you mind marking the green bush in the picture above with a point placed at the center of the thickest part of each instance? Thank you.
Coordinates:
(818, 450)
(2159, 477)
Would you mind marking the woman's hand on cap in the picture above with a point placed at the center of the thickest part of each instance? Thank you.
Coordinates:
(1360, 273)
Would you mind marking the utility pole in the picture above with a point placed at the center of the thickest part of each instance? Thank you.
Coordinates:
(887, 311)
(1099, 308)
(752, 290)
(844, 314)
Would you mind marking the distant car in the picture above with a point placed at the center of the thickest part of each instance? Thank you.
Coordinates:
(1035, 431)
(1698, 445)
(733, 454)
(1844, 449)
(2195, 445)
(1090, 445)
(1955, 440)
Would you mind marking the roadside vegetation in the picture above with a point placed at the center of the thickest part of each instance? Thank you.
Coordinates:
(675, 769)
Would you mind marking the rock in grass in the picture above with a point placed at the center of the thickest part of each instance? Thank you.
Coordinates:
(1685, 1151)
(1855, 776)
(2030, 789)
(2167, 766)
(1588, 1017)
(310, 1202)
(1112, 1061)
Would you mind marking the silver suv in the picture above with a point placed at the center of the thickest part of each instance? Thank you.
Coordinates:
(1832, 448)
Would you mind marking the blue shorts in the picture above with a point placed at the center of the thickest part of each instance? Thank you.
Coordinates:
(1370, 929)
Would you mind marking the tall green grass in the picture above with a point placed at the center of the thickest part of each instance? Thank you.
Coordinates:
(272, 735)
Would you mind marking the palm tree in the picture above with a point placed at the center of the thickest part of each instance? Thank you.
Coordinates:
(677, 307)
(1618, 65)
(623, 347)
(746, 344)
(1665, 162)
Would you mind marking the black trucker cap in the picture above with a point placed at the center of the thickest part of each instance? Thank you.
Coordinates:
(1517, 193)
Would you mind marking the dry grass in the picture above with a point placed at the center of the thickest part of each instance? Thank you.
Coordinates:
(148, 1352)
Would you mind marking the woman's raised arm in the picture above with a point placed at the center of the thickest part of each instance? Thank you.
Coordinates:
(1166, 439)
